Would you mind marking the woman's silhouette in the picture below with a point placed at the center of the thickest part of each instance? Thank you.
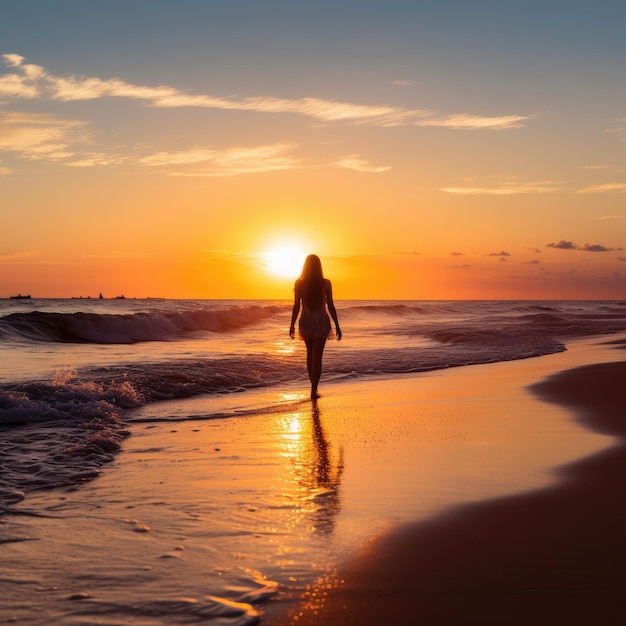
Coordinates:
(314, 294)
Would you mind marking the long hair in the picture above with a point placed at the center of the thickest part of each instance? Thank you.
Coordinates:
(312, 282)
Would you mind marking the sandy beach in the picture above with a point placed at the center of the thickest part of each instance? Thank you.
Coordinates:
(487, 494)
(551, 556)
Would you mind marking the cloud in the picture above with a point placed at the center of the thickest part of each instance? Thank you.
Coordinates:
(508, 189)
(38, 136)
(621, 258)
(11, 257)
(533, 262)
(596, 247)
(610, 217)
(606, 187)
(34, 81)
(570, 245)
(562, 245)
(5, 170)
(13, 60)
(45, 137)
(456, 253)
(467, 121)
(502, 253)
(620, 131)
(481, 190)
(404, 83)
(14, 86)
(19, 85)
(354, 162)
(93, 159)
(229, 162)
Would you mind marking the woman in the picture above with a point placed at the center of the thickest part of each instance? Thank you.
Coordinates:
(315, 294)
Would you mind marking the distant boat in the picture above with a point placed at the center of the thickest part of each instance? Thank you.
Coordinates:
(20, 297)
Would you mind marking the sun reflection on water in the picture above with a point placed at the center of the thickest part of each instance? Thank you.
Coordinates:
(285, 347)
(311, 479)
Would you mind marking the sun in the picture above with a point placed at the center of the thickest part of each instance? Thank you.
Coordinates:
(284, 261)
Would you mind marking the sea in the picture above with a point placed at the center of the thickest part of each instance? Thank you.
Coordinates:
(77, 374)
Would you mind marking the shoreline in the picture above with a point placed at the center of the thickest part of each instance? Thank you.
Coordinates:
(194, 517)
(553, 555)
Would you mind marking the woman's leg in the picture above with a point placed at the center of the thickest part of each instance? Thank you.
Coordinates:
(314, 353)
(309, 355)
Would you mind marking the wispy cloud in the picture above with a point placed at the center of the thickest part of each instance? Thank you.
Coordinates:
(570, 245)
(502, 254)
(247, 259)
(354, 162)
(229, 162)
(93, 159)
(466, 121)
(33, 81)
(620, 129)
(45, 137)
(19, 85)
(495, 191)
(5, 171)
(514, 186)
(509, 188)
(610, 217)
(38, 136)
(17, 256)
(605, 187)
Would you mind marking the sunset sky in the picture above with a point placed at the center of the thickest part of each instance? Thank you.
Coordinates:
(447, 149)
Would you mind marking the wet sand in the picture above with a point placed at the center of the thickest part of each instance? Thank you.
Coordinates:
(552, 556)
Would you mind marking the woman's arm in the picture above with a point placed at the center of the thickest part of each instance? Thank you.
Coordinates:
(297, 296)
(331, 308)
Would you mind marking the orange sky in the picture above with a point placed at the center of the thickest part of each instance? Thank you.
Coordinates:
(421, 152)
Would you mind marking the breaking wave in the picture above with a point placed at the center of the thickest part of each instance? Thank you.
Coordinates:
(109, 328)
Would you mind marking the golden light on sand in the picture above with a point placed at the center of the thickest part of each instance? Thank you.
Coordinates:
(284, 261)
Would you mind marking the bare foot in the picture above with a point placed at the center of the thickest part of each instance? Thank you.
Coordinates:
(315, 395)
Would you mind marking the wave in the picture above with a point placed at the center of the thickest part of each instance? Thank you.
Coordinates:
(390, 307)
(69, 429)
(111, 328)
(423, 344)
(60, 430)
